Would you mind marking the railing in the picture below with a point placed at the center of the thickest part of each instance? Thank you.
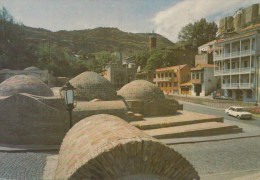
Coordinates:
(162, 79)
(232, 54)
(237, 86)
(235, 71)
(196, 81)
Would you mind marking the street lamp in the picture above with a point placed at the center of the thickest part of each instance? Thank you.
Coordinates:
(68, 93)
(256, 76)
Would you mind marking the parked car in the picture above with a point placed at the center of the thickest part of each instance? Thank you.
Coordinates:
(222, 97)
(238, 112)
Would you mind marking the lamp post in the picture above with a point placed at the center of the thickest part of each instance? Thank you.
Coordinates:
(68, 93)
(256, 76)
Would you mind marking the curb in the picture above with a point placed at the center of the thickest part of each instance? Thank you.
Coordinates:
(24, 148)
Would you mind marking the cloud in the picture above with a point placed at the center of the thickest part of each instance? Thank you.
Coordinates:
(170, 21)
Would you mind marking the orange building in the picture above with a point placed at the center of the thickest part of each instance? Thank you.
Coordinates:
(170, 79)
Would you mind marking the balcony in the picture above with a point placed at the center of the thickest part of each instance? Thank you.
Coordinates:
(234, 71)
(237, 86)
(165, 79)
(196, 81)
(236, 54)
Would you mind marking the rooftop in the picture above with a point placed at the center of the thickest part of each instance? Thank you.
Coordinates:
(171, 67)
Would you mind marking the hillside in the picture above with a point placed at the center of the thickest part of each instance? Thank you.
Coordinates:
(95, 40)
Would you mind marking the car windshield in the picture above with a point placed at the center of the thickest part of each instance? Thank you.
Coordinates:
(239, 109)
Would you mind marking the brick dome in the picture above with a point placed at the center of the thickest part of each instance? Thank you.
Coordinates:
(24, 84)
(90, 85)
(101, 141)
(32, 68)
(141, 90)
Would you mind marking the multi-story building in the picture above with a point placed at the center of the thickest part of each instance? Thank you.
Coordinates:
(169, 79)
(205, 53)
(237, 64)
(203, 82)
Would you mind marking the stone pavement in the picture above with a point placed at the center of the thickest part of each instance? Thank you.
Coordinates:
(213, 159)
(22, 166)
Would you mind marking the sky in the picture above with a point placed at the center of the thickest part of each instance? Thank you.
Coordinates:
(165, 17)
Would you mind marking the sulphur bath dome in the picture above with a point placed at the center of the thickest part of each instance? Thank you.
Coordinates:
(90, 85)
(24, 84)
(141, 90)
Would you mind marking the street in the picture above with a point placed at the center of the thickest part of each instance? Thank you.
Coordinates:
(217, 112)
(225, 159)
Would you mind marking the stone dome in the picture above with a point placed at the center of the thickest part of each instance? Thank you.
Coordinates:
(32, 68)
(24, 84)
(141, 90)
(90, 85)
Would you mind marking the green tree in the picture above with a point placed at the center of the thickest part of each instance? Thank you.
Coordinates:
(198, 33)
(15, 53)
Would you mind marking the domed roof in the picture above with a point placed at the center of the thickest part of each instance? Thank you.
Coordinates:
(32, 68)
(90, 85)
(141, 90)
(24, 84)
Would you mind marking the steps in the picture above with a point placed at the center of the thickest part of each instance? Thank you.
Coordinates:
(169, 121)
(191, 130)
(185, 124)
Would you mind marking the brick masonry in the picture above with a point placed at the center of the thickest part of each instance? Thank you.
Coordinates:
(90, 85)
(107, 147)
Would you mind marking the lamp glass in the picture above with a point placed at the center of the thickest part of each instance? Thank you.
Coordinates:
(69, 97)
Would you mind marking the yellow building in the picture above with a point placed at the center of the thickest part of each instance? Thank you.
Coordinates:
(170, 79)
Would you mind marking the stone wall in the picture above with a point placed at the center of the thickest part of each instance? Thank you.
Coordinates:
(86, 109)
(107, 147)
(212, 102)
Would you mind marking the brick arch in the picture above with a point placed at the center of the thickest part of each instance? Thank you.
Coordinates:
(106, 147)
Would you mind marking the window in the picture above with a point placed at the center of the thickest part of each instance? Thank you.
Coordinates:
(249, 94)
(245, 63)
(197, 76)
(170, 84)
(175, 84)
(193, 76)
(233, 65)
(228, 65)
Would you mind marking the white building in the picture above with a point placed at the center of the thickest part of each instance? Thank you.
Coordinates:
(203, 82)
(237, 64)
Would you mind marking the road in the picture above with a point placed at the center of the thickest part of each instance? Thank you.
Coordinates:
(217, 112)
(223, 159)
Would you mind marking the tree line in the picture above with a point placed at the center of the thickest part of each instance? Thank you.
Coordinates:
(17, 52)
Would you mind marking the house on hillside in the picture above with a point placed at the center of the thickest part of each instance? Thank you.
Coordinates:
(169, 79)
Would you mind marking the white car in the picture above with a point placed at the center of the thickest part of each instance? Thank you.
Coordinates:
(238, 112)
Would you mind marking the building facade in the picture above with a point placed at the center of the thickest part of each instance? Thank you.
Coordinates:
(169, 79)
(236, 62)
(120, 74)
(203, 81)
(205, 53)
